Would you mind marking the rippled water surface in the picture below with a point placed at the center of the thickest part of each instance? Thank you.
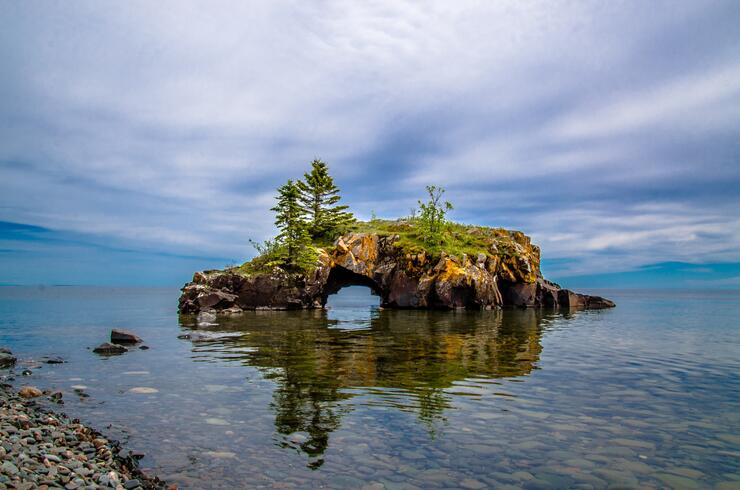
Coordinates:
(643, 395)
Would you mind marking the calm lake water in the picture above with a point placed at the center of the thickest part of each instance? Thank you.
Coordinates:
(644, 395)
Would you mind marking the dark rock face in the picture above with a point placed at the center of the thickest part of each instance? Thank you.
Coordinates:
(401, 280)
(543, 293)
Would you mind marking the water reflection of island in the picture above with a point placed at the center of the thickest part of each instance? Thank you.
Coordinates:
(317, 364)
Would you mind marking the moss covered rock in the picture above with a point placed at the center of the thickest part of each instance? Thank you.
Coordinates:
(493, 268)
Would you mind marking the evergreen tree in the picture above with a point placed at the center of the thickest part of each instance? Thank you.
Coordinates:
(293, 236)
(318, 199)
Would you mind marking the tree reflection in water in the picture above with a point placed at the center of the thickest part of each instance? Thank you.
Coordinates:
(409, 360)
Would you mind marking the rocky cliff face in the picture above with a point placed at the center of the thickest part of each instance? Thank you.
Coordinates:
(508, 274)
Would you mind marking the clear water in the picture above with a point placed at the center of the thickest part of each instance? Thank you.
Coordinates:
(644, 395)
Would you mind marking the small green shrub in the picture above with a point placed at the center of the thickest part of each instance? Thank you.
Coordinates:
(432, 218)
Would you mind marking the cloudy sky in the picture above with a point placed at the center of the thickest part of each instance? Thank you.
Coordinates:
(140, 141)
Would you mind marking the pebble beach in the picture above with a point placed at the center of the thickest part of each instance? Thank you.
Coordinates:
(42, 448)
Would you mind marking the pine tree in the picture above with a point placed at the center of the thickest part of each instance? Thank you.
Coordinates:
(318, 199)
(293, 236)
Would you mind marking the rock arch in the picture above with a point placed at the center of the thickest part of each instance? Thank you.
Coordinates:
(401, 279)
(341, 277)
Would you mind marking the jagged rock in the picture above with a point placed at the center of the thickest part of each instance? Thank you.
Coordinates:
(107, 348)
(596, 302)
(507, 275)
(118, 336)
(212, 299)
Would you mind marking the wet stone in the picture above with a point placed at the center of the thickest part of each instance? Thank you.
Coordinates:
(131, 484)
(9, 468)
(677, 481)
(727, 485)
(472, 484)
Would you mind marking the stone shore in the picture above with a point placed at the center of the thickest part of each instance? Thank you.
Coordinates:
(41, 449)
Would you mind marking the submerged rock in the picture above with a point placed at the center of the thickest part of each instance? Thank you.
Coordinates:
(107, 348)
(206, 317)
(200, 336)
(144, 390)
(508, 274)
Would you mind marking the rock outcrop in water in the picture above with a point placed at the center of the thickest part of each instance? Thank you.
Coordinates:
(507, 274)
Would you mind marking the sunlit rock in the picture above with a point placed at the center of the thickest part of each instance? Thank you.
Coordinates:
(507, 274)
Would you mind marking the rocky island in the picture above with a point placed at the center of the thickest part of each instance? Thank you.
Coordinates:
(422, 261)
(501, 268)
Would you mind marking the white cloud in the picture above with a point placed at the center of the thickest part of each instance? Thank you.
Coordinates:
(692, 102)
(169, 124)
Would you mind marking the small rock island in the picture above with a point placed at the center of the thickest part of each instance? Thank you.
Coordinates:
(422, 261)
(504, 272)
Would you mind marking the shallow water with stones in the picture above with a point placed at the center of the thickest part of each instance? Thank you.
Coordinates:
(643, 395)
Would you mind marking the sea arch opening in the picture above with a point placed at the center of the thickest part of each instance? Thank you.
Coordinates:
(356, 286)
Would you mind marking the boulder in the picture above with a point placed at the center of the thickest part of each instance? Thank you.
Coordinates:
(118, 336)
(597, 302)
(107, 348)
(30, 392)
(212, 299)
